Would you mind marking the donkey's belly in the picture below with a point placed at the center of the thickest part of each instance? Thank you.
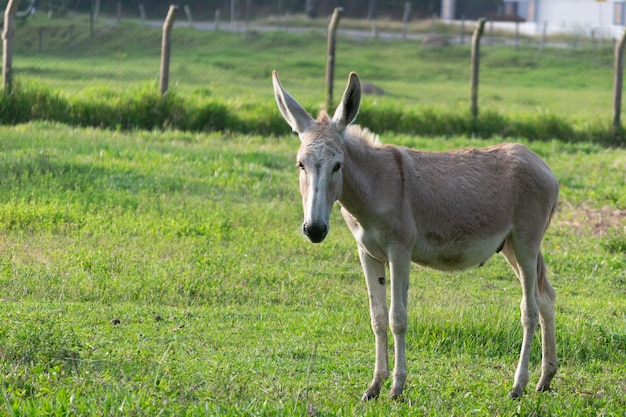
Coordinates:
(451, 256)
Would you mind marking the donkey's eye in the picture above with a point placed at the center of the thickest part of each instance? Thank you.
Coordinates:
(337, 167)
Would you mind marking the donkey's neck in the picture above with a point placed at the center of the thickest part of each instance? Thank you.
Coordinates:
(362, 176)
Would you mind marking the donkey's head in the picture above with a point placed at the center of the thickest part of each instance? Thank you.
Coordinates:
(320, 157)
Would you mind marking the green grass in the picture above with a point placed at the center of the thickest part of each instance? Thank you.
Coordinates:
(163, 273)
(102, 81)
(231, 66)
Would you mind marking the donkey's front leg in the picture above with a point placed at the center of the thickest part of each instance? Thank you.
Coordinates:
(399, 267)
(375, 277)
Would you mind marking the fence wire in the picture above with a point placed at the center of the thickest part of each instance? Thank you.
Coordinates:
(568, 75)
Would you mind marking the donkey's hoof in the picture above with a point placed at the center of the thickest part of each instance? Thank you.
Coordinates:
(543, 388)
(371, 393)
(367, 396)
(515, 395)
(395, 393)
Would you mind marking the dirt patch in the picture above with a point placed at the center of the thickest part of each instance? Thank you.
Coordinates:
(587, 220)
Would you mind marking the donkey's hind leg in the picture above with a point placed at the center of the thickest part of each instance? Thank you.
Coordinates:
(526, 270)
(547, 295)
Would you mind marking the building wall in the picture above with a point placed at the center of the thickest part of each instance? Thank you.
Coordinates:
(581, 14)
(606, 18)
(469, 9)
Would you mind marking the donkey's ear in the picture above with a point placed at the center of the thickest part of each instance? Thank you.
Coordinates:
(350, 102)
(293, 113)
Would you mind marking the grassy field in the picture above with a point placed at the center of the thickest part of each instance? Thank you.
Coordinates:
(163, 273)
(236, 67)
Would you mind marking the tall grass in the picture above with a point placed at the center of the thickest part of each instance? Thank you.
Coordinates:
(143, 108)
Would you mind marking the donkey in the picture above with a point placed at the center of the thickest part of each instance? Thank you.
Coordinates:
(444, 210)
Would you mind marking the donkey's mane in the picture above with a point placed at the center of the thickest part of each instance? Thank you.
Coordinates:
(364, 135)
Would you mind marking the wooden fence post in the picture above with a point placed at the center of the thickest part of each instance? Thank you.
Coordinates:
(166, 46)
(406, 16)
(330, 62)
(218, 12)
(374, 25)
(618, 76)
(478, 33)
(189, 15)
(8, 33)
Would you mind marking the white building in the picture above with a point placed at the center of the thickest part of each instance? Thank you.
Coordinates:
(603, 17)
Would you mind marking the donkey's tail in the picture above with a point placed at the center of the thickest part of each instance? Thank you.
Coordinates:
(542, 268)
(542, 278)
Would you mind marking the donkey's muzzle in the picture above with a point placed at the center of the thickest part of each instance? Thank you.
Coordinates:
(315, 232)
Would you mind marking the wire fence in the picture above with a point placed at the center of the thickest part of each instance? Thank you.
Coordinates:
(515, 74)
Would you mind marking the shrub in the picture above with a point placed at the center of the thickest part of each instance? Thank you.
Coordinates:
(210, 116)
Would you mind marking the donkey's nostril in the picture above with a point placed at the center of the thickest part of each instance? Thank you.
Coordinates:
(315, 232)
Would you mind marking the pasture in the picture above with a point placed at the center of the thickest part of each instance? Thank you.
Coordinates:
(95, 81)
(164, 273)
